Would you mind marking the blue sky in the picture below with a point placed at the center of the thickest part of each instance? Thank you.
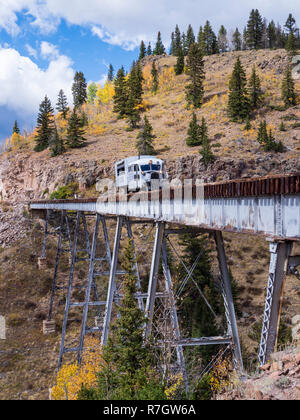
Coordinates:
(43, 42)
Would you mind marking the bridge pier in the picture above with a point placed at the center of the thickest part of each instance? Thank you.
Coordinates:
(280, 252)
(159, 235)
(228, 301)
(112, 281)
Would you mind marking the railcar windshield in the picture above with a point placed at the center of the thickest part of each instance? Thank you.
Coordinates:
(147, 168)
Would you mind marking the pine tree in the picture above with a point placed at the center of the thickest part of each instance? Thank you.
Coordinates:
(177, 42)
(127, 372)
(62, 104)
(288, 89)
(135, 82)
(291, 44)
(254, 30)
(205, 152)
(282, 126)
(195, 69)
(222, 39)
(121, 94)
(210, 40)
(75, 132)
(126, 342)
(149, 49)
(159, 48)
(280, 37)
(110, 76)
(200, 39)
(271, 34)
(273, 145)
(184, 44)
(267, 140)
(142, 50)
(154, 74)
(56, 144)
(244, 40)
(262, 136)
(135, 92)
(290, 24)
(179, 66)
(45, 125)
(16, 128)
(84, 121)
(145, 138)
(190, 37)
(133, 114)
(238, 103)
(172, 46)
(194, 134)
(79, 90)
(237, 40)
(247, 126)
(255, 93)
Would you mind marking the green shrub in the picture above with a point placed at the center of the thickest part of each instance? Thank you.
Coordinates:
(65, 192)
(202, 390)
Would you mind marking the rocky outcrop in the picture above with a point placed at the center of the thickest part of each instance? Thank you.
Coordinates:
(227, 169)
(276, 60)
(14, 223)
(25, 177)
(279, 380)
(296, 329)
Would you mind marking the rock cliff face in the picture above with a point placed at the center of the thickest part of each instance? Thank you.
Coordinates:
(279, 380)
(25, 177)
(226, 169)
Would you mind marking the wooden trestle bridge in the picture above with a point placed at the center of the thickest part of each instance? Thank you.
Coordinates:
(268, 206)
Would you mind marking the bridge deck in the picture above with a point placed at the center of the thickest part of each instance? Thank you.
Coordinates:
(267, 206)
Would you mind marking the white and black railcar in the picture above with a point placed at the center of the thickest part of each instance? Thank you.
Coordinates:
(140, 173)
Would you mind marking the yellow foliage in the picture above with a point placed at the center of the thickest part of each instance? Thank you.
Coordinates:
(212, 102)
(250, 133)
(220, 378)
(174, 389)
(97, 130)
(148, 79)
(72, 377)
(166, 79)
(15, 142)
(105, 95)
(61, 124)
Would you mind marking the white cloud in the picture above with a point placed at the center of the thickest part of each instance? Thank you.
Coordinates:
(125, 23)
(117, 39)
(23, 84)
(31, 51)
(49, 51)
(8, 18)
